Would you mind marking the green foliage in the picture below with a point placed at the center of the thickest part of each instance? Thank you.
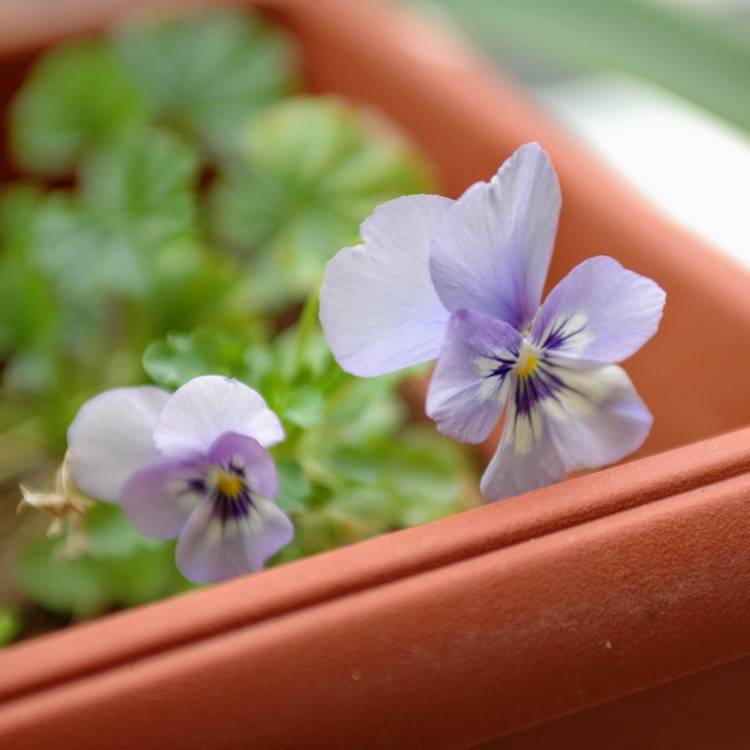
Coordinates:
(10, 624)
(89, 277)
(76, 97)
(130, 256)
(310, 170)
(120, 569)
(27, 313)
(691, 54)
(178, 358)
(136, 198)
(350, 467)
(205, 77)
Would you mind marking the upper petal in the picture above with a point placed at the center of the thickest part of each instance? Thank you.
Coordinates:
(492, 250)
(470, 382)
(111, 437)
(598, 418)
(378, 307)
(600, 312)
(526, 458)
(209, 550)
(205, 408)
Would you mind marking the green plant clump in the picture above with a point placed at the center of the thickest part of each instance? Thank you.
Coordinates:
(202, 197)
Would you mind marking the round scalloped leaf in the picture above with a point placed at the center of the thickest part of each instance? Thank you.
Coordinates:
(77, 97)
(205, 74)
(312, 169)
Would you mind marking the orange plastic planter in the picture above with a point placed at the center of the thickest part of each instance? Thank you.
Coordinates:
(608, 611)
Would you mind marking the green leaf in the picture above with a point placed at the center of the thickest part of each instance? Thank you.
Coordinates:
(151, 175)
(701, 59)
(78, 587)
(18, 204)
(193, 286)
(27, 313)
(10, 624)
(120, 571)
(110, 534)
(312, 170)
(205, 74)
(33, 369)
(77, 250)
(304, 407)
(136, 198)
(294, 488)
(173, 361)
(430, 475)
(76, 97)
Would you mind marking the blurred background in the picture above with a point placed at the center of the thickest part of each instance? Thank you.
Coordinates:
(659, 88)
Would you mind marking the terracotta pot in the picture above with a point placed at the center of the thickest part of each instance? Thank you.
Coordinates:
(608, 611)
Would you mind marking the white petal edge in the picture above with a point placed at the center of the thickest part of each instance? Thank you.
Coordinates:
(378, 307)
(111, 438)
(599, 420)
(205, 408)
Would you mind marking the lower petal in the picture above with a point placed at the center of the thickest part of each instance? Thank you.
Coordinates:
(598, 419)
(159, 499)
(526, 459)
(209, 550)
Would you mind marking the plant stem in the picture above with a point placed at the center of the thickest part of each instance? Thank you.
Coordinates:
(308, 319)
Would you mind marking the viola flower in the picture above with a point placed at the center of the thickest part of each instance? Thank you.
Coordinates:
(191, 465)
(462, 281)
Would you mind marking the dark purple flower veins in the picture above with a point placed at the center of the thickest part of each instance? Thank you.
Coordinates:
(504, 366)
(227, 488)
(535, 386)
(560, 334)
(196, 485)
(536, 377)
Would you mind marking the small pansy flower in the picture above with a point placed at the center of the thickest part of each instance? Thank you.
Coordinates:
(191, 465)
(462, 281)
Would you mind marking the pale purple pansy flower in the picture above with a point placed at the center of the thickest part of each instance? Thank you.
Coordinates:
(191, 465)
(462, 281)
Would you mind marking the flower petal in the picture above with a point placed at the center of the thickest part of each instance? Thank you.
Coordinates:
(111, 437)
(598, 418)
(378, 307)
(205, 408)
(159, 499)
(247, 454)
(526, 458)
(491, 251)
(209, 550)
(599, 312)
(471, 379)
(594, 418)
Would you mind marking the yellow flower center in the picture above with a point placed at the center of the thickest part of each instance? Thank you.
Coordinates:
(228, 483)
(527, 363)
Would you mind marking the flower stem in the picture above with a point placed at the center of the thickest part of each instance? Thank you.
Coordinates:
(308, 319)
